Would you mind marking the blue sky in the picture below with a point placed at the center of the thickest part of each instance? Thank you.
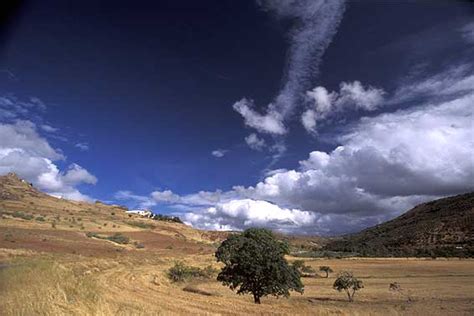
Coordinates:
(310, 117)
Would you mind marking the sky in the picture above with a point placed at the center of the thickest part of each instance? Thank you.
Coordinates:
(306, 117)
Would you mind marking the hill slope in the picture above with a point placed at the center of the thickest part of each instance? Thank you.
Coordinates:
(32, 220)
(443, 227)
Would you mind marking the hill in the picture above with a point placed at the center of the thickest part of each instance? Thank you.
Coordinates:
(30, 219)
(443, 228)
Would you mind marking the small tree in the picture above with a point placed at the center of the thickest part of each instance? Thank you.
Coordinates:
(325, 269)
(303, 268)
(347, 282)
(254, 263)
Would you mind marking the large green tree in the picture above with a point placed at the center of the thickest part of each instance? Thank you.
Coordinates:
(254, 263)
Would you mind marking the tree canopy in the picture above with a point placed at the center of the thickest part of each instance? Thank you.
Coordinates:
(347, 282)
(254, 263)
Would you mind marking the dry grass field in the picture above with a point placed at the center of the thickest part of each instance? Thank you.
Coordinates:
(55, 260)
(134, 282)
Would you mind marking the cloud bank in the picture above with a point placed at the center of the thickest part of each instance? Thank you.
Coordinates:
(383, 165)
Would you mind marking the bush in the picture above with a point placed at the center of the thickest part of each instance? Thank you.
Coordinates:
(347, 282)
(22, 215)
(40, 219)
(181, 272)
(119, 238)
(302, 268)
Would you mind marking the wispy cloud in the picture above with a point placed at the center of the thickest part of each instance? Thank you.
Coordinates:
(219, 153)
(48, 128)
(467, 32)
(255, 142)
(314, 24)
(82, 146)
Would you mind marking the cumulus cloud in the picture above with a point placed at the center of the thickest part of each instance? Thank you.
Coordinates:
(255, 142)
(25, 152)
(351, 96)
(383, 165)
(238, 214)
(271, 122)
(165, 196)
(314, 24)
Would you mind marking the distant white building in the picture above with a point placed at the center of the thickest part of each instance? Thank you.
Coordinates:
(144, 213)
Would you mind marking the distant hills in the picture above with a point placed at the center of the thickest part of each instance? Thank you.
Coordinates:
(440, 228)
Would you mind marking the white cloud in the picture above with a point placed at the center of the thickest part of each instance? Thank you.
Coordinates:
(254, 142)
(448, 84)
(25, 152)
(383, 165)
(351, 96)
(315, 22)
(165, 196)
(219, 153)
(271, 122)
(12, 108)
(238, 214)
(48, 128)
(23, 135)
(82, 146)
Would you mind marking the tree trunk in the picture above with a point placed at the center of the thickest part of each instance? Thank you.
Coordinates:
(256, 299)
(327, 274)
(349, 295)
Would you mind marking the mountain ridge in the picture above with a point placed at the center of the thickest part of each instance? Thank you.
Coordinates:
(443, 227)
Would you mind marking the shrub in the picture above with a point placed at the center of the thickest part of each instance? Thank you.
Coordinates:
(92, 235)
(40, 219)
(22, 215)
(326, 269)
(119, 238)
(181, 272)
(302, 268)
(347, 282)
(254, 263)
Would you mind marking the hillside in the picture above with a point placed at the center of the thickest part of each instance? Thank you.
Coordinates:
(443, 227)
(30, 219)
